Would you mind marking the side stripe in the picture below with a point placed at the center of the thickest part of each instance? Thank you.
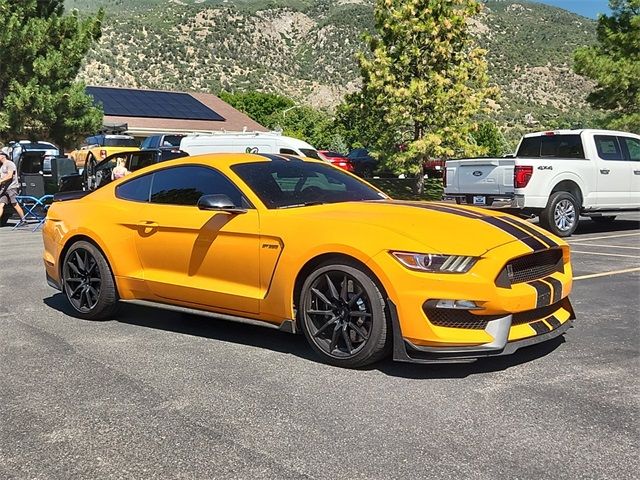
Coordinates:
(540, 327)
(515, 232)
(524, 226)
(544, 293)
(553, 321)
(557, 288)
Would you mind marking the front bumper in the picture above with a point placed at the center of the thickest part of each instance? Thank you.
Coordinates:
(405, 351)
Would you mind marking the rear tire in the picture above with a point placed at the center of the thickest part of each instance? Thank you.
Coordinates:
(561, 214)
(343, 316)
(88, 282)
(604, 220)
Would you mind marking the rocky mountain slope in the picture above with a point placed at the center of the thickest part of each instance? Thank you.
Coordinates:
(305, 49)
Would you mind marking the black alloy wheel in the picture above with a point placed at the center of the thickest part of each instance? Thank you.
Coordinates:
(88, 282)
(343, 316)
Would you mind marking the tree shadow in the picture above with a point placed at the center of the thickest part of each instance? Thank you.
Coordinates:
(277, 341)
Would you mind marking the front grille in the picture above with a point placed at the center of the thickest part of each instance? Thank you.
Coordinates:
(443, 317)
(531, 267)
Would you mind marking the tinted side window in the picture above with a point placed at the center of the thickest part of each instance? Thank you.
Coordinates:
(529, 147)
(141, 160)
(633, 147)
(185, 185)
(608, 147)
(288, 151)
(136, 190)
(146, 143)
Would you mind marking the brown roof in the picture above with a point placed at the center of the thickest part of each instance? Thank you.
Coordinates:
(234, 120)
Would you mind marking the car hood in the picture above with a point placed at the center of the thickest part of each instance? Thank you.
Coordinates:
(438, 227)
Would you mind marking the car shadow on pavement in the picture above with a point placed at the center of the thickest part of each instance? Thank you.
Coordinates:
(586, 226)
(271, 339)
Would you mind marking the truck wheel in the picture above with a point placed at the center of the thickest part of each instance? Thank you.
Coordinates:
(561, 214)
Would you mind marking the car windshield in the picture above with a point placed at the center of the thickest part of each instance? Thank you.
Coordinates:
(120, 142)
(281, 184)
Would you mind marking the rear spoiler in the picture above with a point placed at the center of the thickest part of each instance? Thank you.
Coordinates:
(66, 196)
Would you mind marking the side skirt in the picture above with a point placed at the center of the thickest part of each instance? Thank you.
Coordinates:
(286, 326)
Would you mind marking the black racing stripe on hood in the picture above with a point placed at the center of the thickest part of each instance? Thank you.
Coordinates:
(498, 222)
(533, 232)
(524, 237)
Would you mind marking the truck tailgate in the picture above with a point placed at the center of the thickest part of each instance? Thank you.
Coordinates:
(488, 176)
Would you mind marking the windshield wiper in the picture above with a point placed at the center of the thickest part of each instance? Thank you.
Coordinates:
(306, 204)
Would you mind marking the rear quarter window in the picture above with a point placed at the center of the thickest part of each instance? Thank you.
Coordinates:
(136, 190)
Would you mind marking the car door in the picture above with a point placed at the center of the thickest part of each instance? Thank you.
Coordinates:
(195, 256)
(631, 145)
(613, 173)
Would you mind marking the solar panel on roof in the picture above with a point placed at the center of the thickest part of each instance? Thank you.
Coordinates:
(125, 102)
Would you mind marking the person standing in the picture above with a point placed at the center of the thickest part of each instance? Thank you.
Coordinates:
(9, 184)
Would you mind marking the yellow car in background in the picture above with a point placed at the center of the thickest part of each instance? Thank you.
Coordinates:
(303, 246)
(98, 147)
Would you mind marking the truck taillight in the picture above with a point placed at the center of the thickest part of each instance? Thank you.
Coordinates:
(103, 154)
(522, 175)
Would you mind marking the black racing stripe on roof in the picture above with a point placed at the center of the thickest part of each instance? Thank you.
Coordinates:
(272, 157)
(521, 235)
(524, 226)
(293, 158)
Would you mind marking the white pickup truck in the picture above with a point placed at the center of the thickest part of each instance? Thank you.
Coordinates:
(557, 176)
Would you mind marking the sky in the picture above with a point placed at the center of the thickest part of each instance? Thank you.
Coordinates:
(586, 8)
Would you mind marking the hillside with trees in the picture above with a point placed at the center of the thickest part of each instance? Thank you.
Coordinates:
(306, 50)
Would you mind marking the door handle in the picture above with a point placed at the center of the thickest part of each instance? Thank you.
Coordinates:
(604, 171)
(147, 225)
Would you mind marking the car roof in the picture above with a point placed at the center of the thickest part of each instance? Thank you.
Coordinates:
(576, 132)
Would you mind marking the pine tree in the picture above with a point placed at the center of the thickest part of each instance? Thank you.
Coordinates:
(428, 79)
(41, 51)
(615, 65)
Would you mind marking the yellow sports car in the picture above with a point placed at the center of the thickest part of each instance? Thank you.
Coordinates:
(300, 245)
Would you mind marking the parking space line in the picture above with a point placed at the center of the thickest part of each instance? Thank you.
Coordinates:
(606, 254)
(605, 246)
(606, 274)
(602, 238)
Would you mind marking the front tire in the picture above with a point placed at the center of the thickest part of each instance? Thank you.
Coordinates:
(88, 282)
(561, 214)
(342, 314)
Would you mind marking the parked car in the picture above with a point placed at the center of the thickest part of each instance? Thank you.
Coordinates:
(98, 147)
(25, 149)
(303, 246)
(363, 163)
(247, 142)
(100, 175)
(337, 159)
(557, 176)
(161, 141)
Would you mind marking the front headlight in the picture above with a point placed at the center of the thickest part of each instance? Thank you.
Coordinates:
(435, 263)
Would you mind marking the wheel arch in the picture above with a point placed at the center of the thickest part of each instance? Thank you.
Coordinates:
(79, 237)
(338, 257)
(570, 186)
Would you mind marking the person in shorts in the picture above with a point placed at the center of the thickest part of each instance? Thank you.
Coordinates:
(9, 184)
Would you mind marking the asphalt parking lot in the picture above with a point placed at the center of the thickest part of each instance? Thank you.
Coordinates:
(156, 394)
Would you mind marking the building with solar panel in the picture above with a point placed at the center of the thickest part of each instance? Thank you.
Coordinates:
(141, 113)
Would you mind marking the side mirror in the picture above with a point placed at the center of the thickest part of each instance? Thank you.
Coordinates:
(219, 203)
